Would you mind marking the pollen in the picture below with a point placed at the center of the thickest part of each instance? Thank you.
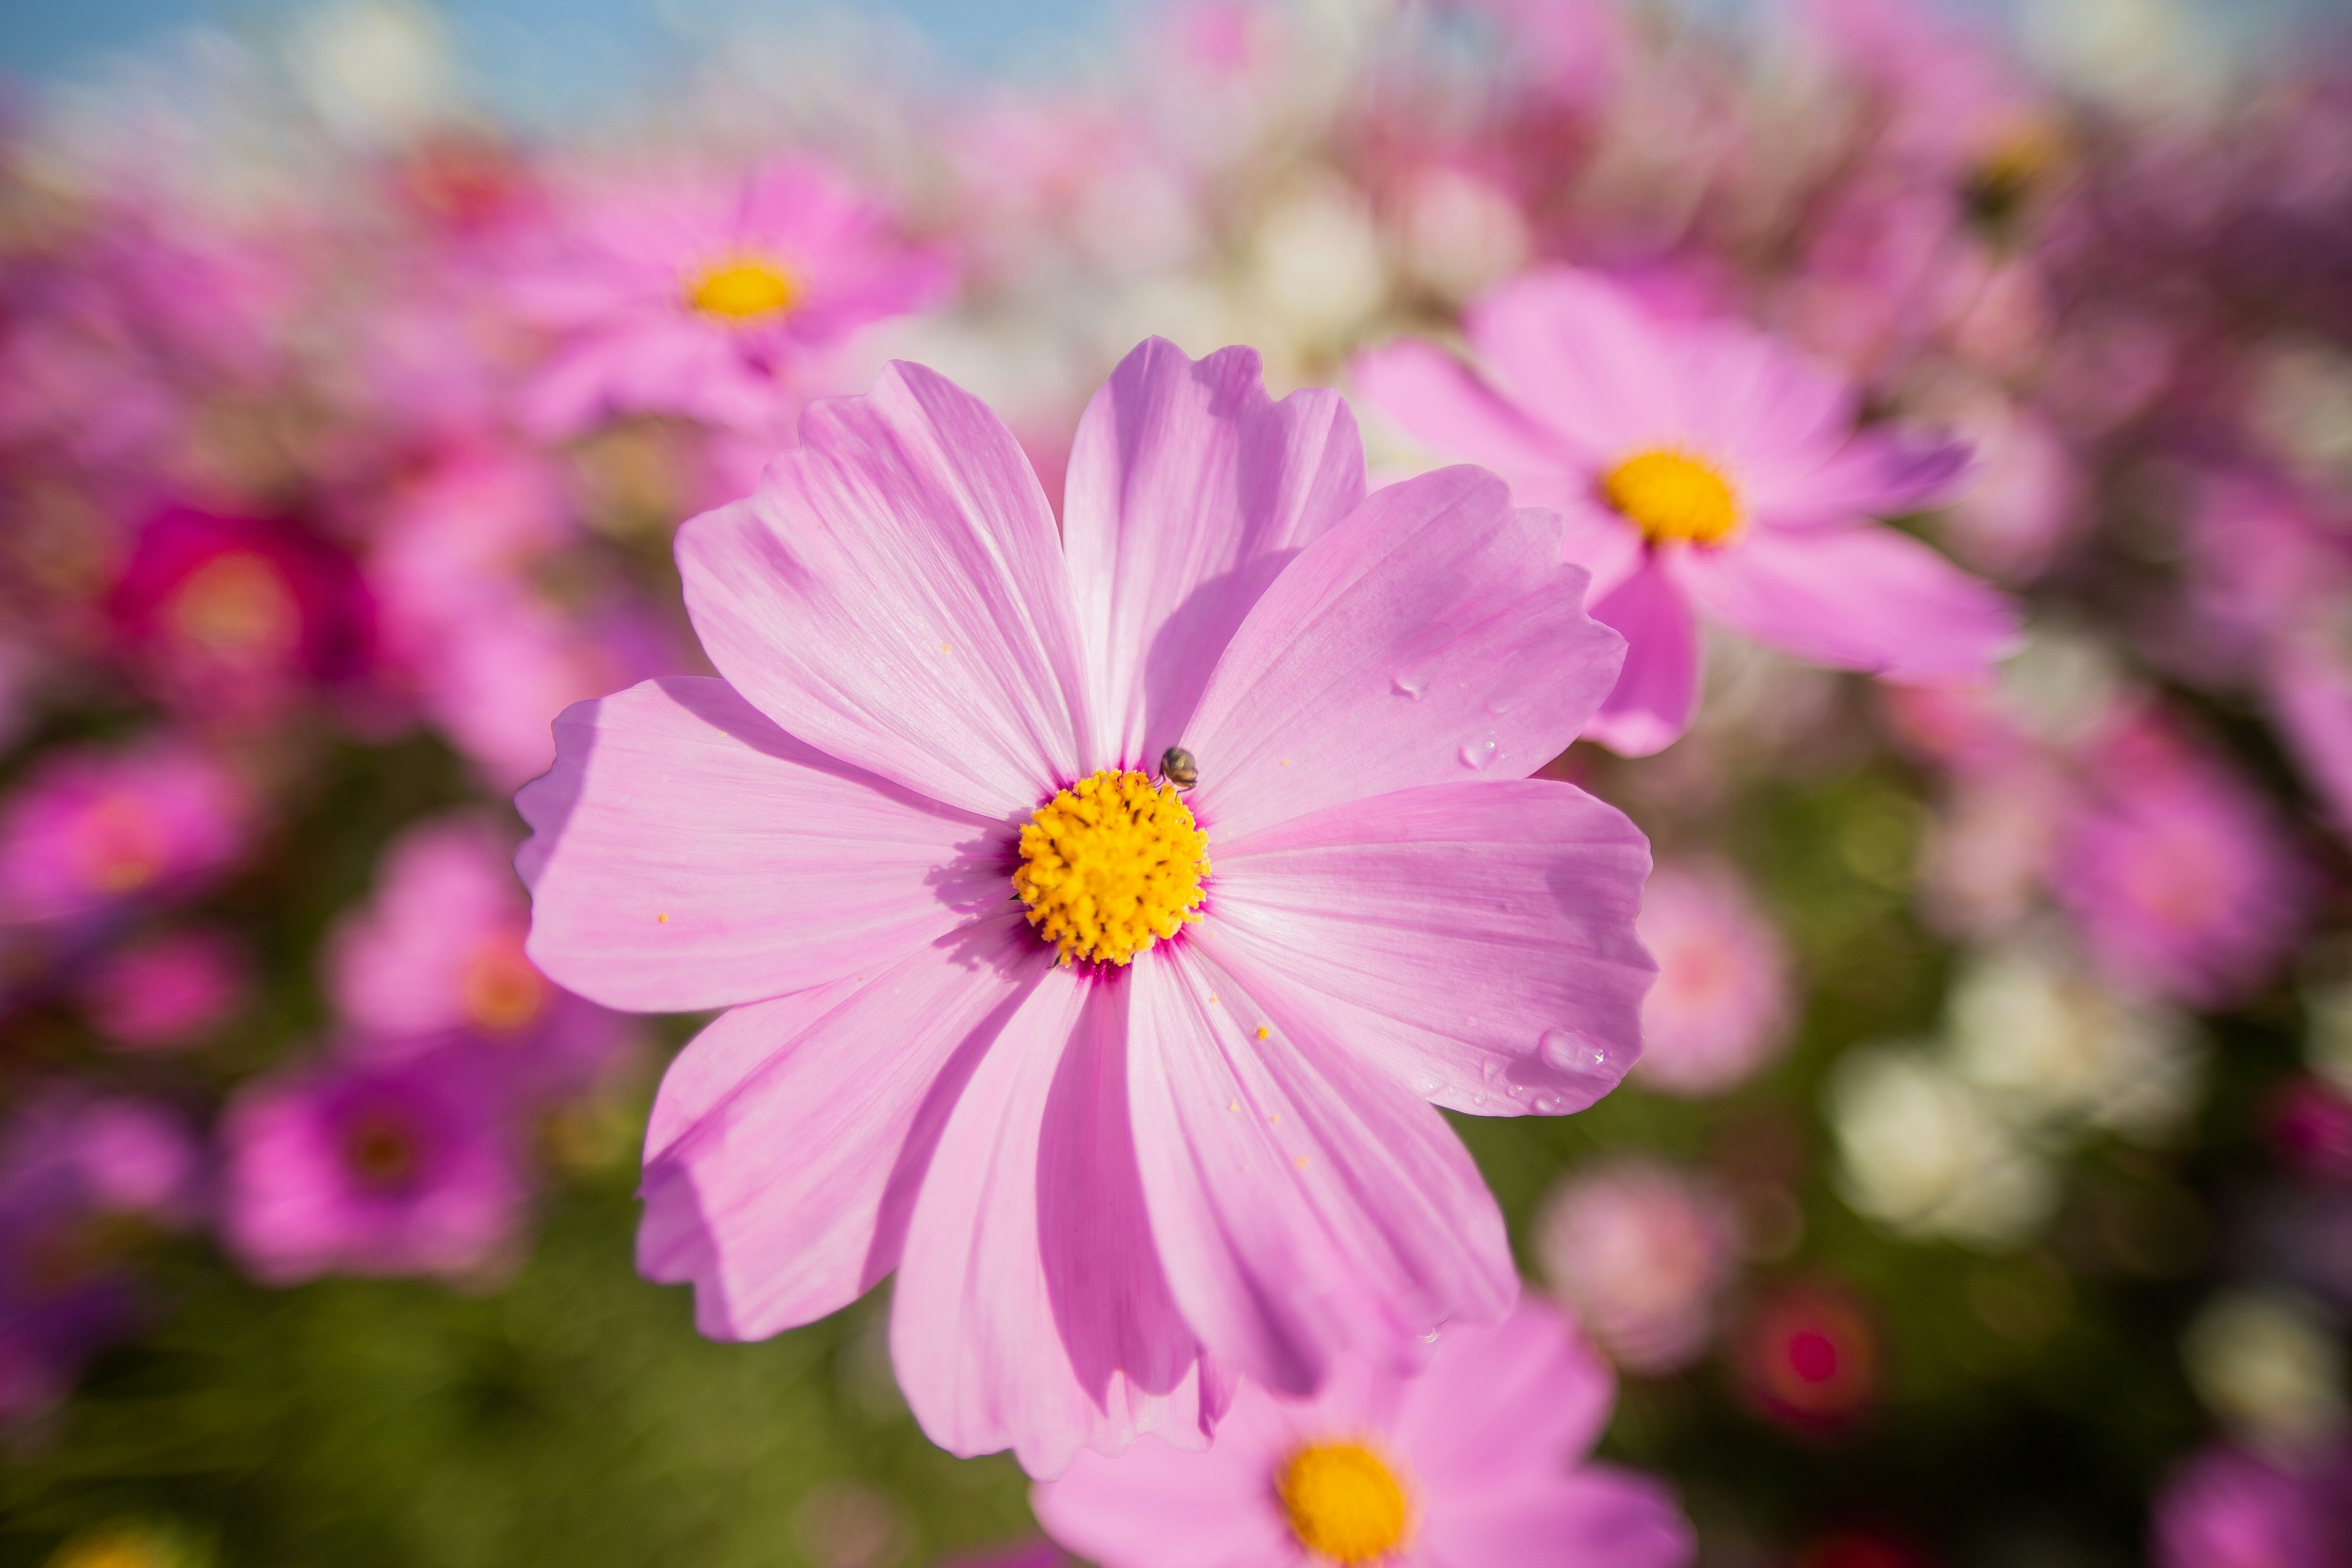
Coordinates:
(1111, 865)
(1344, 1502)
(1673, 496)
(742, 289)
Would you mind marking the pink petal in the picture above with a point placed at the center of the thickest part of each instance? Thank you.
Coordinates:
(785, 1148)
(1474, 940)
(1433, 636)
(894, 595)
(1030, 1311)
(1154, 1509)
(688, 854)
(1526, 1398)
(1188, 492)
(1656, 694)
(1581, 355)
(1862, 598)
(1303, 1201)
(1877, 473)
(1596, 1515)
(1439, 402)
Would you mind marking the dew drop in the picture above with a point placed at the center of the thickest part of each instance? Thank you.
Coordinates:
(1478, 750)
(1564, 1050)
(1408, 685)
(1491, 1069)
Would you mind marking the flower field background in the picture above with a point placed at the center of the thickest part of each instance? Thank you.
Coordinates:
(1984, 1192)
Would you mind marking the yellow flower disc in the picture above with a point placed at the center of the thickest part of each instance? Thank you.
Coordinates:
(743, 288)
(1671, 496)
(1111, 865)
(1343, 1501)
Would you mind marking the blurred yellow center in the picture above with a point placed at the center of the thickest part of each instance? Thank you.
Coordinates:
(503, 989)
(1111, 865)
(237, 603)
(1672, 496)
(743, 288)
(1343, 1501)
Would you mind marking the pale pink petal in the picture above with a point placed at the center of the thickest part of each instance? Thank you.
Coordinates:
(2311, 696)
(790, 1137)
(1864, 598)
(1022, 1317)
(1435, 636)
(1878, 473)
(1583, 356)
(1524, 1399)
(687, 854)
(1656, 693)
(1188, 490)
(1752, 404)
(1440, 402)
(894, 595)
(1474, 940)
(1598, 1515)
(1303, 1201)
(1154, 1509)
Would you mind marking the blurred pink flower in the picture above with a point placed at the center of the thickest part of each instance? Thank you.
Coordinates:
(2224, 1509)
(360, 1167)
(702, 294)
(1699, 465)
(91, 829)
(438, 948)
(1807, 1355)
(1640, 1252)
(232, 616)
(165, 992)
(1100, 1180)
(1720, 1008)
(1479, 1459)
(2181, 879)
(74, 1168)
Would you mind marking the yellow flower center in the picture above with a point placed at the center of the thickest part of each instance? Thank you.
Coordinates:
(1671, 495)
(743, 288)
(1111, 865)
(503, 989)
(1343, 1501)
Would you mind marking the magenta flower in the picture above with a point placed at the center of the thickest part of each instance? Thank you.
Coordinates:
(1475, 1463)
(1134, 1088)
(166, 991)
(1720, 1008)
(372, 1168)
(2181, 879)
(1642, 1252)
(90, 830)
(2229, 1510)
(1701, 467)
(439, 948)
(699, 294)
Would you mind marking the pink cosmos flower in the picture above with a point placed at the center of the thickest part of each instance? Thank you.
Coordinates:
(1134, 1088)
(1641, 1251)
(370, 1168)
(701, 294)
(166, 991)
(1478, 1462)
(1720, 1008)
(91, 829)
(2179, 875)
(2227, 1509)
(439, 948)
(1701, 467)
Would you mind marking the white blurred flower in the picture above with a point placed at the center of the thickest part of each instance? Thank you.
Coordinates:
(1924, 1155)
(2030, 1027)
(1314, 264)
(1458, 233)
(2269, 1366)
(375, 70)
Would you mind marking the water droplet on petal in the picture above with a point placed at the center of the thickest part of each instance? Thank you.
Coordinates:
(1478, 750)
(1406, 684)
(1579, 1055)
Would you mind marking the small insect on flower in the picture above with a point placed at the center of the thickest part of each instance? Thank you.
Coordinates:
(1177, 766)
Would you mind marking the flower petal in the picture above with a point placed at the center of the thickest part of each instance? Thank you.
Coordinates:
(687, 854)
(1188, 490)
(1030, 1311)
(785, 1149)
(1474, 940)
(893, 594)
(1581, 354)
(1440, 402)
(1597, 1515)
(1433, 636)
(1863, 597)
(1880, 472)
(1154, 1509)
(1656, 694)
(1303, 1201)
(1525, 1399)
